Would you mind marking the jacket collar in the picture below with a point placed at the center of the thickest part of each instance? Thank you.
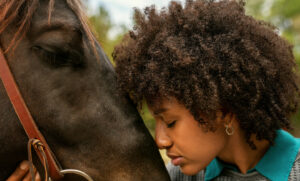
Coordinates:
(276, 164)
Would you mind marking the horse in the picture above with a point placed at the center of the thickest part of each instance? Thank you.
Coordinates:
(70, 88)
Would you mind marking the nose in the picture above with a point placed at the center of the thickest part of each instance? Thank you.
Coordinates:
(162, 139)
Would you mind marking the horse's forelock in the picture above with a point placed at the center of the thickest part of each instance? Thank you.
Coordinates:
(77, 8)
(17, 11)
(21, 12)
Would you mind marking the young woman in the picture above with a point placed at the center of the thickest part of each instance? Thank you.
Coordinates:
(221, 86)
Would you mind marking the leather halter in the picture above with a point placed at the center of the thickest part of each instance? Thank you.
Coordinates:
(25, 117)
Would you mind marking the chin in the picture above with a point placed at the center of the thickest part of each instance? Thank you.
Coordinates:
(190, 170)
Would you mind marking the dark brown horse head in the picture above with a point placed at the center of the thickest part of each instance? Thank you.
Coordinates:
(70, 89)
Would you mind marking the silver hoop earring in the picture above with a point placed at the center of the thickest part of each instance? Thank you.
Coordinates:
(229, 130)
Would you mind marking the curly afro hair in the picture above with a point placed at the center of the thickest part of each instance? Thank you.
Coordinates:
(210, 56)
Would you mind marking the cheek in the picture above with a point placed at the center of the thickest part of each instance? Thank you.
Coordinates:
(203, 147)
(199, 143)
(206, 146)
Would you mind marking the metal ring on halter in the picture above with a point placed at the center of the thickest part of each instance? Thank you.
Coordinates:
(77, 172)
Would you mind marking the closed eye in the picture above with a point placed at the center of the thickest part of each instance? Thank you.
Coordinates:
(57, 57)
(170, 125)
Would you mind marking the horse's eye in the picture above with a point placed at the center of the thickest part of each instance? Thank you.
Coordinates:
(56, 57)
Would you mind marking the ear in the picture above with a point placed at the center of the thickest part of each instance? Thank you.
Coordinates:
(225, 118)
(229, 118)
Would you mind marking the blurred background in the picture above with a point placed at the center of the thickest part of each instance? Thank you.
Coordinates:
(111, 19)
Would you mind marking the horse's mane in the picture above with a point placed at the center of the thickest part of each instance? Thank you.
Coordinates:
(20, 12)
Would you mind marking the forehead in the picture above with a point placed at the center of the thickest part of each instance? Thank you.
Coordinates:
(62, 17)
(160, 105)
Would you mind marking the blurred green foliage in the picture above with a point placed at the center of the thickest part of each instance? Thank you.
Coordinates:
(284, 14)
(102, 25)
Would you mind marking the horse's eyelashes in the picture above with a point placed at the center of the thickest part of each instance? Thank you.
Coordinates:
(58, 58)
(47, 56)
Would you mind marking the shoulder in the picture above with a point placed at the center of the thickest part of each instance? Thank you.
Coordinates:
(177, 175)
(295, 172)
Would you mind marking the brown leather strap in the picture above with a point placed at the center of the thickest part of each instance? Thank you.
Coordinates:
(24, 115)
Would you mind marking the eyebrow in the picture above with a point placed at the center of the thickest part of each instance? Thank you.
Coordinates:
(57, 26)
(159, 111)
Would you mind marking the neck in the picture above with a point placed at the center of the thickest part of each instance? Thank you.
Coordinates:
(239, 153)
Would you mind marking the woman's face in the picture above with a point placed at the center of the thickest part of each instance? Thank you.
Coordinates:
(186, 142)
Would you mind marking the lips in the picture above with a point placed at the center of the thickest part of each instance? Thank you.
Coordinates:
(176, 160)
